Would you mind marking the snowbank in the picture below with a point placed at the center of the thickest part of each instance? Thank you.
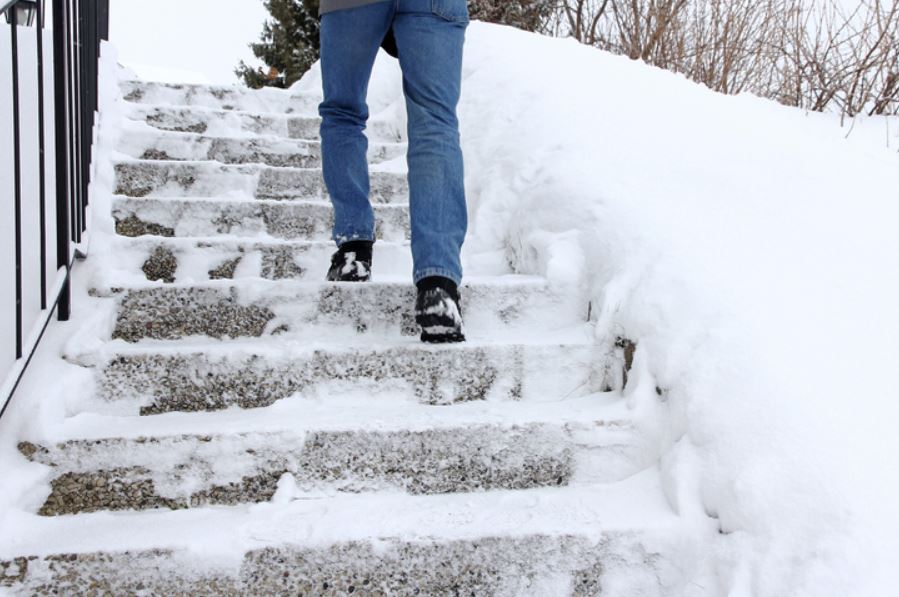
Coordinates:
(749, 251)
(752, 256)
(163, 74)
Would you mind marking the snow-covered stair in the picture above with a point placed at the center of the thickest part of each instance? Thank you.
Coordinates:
(257, 431)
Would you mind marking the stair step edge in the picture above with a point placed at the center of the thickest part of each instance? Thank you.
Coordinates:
(634, 504)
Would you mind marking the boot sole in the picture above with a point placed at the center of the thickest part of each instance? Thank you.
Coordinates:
(442, 338)
(447, 333)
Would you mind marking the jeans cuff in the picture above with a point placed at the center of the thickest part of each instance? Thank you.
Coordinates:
(345, 238)
(436, 271)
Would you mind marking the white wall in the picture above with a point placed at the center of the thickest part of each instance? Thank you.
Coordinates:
(29, 145)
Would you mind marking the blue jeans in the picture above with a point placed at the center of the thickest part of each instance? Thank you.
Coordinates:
(429, 37)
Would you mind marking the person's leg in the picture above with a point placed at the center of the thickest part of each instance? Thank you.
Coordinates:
(430, 35)
(350, 40)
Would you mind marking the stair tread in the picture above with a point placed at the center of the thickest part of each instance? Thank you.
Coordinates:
(343, 444)
(222, 96)
(479, 282)
(135, 107)
(594, 510)
(248, 123)
(287, 142)
(304, 310)
(224, 240)
(241, 215)
(146, 143)
(244, 200)
(573, 336)
(151, 377)
(351, 413)
(249, 168)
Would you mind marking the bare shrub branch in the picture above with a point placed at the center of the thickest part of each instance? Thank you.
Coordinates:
(811, 54)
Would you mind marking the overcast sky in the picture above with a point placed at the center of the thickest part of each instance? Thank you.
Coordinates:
(185, 40)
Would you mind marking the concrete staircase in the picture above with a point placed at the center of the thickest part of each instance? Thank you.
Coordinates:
(256, 431)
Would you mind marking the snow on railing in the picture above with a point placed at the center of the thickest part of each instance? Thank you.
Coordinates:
(48, 103)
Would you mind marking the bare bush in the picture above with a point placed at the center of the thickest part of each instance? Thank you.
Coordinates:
(812, 54)
(842, 59)
(580, 19)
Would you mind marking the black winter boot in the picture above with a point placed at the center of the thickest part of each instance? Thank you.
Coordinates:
(351, 262)
(437, 311)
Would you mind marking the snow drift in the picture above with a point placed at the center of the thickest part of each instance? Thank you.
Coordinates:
(749, 251)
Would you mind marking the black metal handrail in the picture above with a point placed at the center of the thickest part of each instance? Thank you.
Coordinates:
(78, 26)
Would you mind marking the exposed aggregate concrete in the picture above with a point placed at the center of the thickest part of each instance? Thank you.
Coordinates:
(194, 382)
(279, 262)
(574, 566)
(290, 184)
(177, 120)
(188, 312)
(220, 98)
(128, 474)
(161, 265)
(168, 178)
(287, 220)
(167, 313)
(132, 226)
(266, 151)
(156, 154)
(270, 261)
(139, 179)
(201, 120)
(226, 270)
(253, 151)
(187, 120)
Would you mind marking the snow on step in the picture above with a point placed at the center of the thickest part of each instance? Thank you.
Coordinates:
(147, 464)
(207, 179)
(221, 97)
(224, 123)
(585, 541)
(304, 310)
(291, 220)
(146, 381)
(138, 260)
(491, 566)
(148, 144)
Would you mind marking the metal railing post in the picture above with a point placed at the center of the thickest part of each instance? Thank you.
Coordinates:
(42, 198)
(17, 177)
(63, 166)
(80, 65)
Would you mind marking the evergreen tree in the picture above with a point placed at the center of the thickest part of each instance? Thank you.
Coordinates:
(288, 45)
(529, 15)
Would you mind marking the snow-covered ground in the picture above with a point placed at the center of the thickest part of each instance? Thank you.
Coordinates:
(747, 248)
(752, 253)
(750, 250)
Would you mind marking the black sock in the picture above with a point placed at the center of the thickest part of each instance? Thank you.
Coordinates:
(362, 249)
